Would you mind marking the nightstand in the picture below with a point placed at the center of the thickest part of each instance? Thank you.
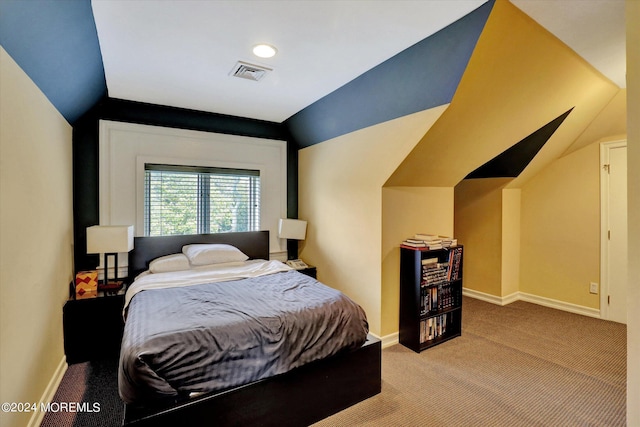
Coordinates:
(309, 271)
(92, 328)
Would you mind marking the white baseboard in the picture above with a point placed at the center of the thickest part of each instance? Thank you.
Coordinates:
(391, 339)
(535, 299)
(560, 305)
(49, 392)
(387, 340)
(493, 299)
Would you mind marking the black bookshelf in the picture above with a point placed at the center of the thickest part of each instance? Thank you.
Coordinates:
(430, 296)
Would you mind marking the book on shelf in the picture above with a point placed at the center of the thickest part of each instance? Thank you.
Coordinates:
(411, 245)
(434, 276)
(435, 298)
(449, 242)
(430, 241)
(429, 300)
(416, 241)
(434, 272)
(455, 260)
(425, 236)
(424, 246)
(433, 327)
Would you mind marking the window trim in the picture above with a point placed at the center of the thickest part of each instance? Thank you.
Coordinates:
(141, 161)
(204, 175)
(121, 182)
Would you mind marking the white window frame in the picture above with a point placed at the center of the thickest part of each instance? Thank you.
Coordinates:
(125, 147)
(203, 217)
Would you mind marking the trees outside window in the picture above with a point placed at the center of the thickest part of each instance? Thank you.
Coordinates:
(193, 200)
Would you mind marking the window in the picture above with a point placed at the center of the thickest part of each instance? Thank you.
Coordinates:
(192, 200)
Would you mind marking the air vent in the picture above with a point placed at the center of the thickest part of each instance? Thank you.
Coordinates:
(244, 70)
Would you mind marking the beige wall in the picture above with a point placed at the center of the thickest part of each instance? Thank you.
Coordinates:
(512, 87)
(340, 195)
(560, 223)
(405, 212)
(487, 222)
(495, 219)
(35, 238)
(518, 91)
(478, 226)
(633, 188)
(612, 120)
(511, 232)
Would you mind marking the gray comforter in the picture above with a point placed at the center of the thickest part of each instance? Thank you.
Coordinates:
(213, 336)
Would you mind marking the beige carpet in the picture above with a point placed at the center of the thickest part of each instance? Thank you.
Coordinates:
(518, 365)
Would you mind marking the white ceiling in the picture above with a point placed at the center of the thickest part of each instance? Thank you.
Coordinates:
(594, 29)
(180, 53)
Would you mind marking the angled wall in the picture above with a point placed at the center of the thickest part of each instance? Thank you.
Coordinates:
(513, 85)
(353, 140)
(478, 225)
(36, 263)
(633, 187)
(341, 197)
(421, 77)
(511, 88)
(56, 44)
(560, 253)
(405, 212)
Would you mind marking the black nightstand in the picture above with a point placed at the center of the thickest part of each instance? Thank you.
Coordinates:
(92, 328)
(309, 271)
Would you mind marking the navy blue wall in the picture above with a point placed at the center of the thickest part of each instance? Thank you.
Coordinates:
(56, 44)
(86, 163)
(511, 162)
(422, 76)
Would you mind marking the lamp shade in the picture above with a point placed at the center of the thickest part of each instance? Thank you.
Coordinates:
(292, 229)
(109, 239)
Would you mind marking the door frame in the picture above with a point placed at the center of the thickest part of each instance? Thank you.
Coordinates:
(605, 148)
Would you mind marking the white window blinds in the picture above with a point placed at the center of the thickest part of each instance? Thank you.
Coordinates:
(191, 200)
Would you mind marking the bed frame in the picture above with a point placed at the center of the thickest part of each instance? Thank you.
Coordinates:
(299, 397)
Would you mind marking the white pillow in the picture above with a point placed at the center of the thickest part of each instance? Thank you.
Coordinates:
(167, 263)
(206, 254)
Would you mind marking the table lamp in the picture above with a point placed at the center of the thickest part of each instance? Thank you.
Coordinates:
(294, 229)
(109, 240)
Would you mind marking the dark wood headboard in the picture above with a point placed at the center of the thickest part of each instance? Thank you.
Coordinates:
(255, 244)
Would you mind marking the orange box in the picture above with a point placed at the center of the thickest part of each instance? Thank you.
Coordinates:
(87, 284)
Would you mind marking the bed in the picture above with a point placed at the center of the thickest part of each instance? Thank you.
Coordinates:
(279, 390)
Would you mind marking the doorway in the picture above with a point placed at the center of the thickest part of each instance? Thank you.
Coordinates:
(613, 231)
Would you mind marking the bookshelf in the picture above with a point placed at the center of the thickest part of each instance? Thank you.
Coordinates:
(430, 296)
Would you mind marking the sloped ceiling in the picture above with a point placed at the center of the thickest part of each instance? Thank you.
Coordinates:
(511, 162)
(56, 44)
(179, 53)
(343, 66)
(594, 29)
(421, 77)
(611, 122)
(512, 87)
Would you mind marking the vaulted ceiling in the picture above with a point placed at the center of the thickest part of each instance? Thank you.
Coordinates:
(180, 53)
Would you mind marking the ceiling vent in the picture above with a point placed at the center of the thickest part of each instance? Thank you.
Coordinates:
(244, 70)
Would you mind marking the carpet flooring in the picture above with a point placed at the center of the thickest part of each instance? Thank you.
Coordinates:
(93, 382)
(518, 365)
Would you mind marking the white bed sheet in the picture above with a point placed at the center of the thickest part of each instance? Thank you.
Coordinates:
(203, 274)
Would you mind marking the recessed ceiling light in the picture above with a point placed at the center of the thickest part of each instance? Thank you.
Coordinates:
(264, 50)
